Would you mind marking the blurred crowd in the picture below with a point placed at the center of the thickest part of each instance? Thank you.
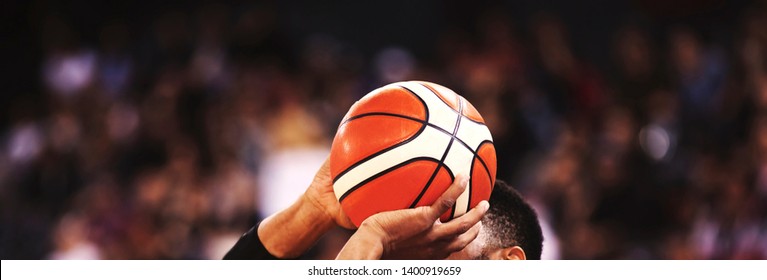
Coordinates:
(170, 140)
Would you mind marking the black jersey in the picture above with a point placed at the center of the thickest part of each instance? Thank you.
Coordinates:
(249, 247)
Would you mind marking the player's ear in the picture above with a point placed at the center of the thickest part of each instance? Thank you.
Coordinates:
(513, 253)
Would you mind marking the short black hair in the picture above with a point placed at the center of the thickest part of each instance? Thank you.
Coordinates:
(512, 222)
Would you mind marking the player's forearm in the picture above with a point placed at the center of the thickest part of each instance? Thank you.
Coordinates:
(290, 232)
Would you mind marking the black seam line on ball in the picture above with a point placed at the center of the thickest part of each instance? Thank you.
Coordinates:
(460, 114)
(423, 127)
(384, 172)
(487, 170)
(423, 123)
(468, 201)
(448, 105)
(444, 155)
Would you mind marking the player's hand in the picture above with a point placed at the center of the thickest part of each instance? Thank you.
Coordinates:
(293, 230)
(416, 233)
(320, 194)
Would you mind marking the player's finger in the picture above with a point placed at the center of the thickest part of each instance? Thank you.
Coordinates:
(461, 224)
(448, 198)
(464, 239)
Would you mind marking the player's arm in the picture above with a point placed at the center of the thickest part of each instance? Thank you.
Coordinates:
(292, 231)
(416, 233)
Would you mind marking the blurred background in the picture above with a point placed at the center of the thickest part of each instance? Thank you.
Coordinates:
(166, 129)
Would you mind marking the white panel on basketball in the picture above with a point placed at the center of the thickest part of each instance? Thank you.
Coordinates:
(456, 160)
(440, 114)
(473, 133)
(430, 143)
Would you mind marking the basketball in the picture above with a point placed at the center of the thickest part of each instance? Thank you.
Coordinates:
(401, 145)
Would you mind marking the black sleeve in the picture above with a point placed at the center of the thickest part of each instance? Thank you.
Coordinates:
(249, 247)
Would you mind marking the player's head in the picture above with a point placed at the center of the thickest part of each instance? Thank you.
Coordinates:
(510, 229)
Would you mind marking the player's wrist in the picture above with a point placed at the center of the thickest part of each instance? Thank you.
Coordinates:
(375, 233)
(315, 212)
(365, 244)
(289, 233)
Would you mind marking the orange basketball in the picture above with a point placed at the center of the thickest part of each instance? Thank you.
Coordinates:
(401, 145)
